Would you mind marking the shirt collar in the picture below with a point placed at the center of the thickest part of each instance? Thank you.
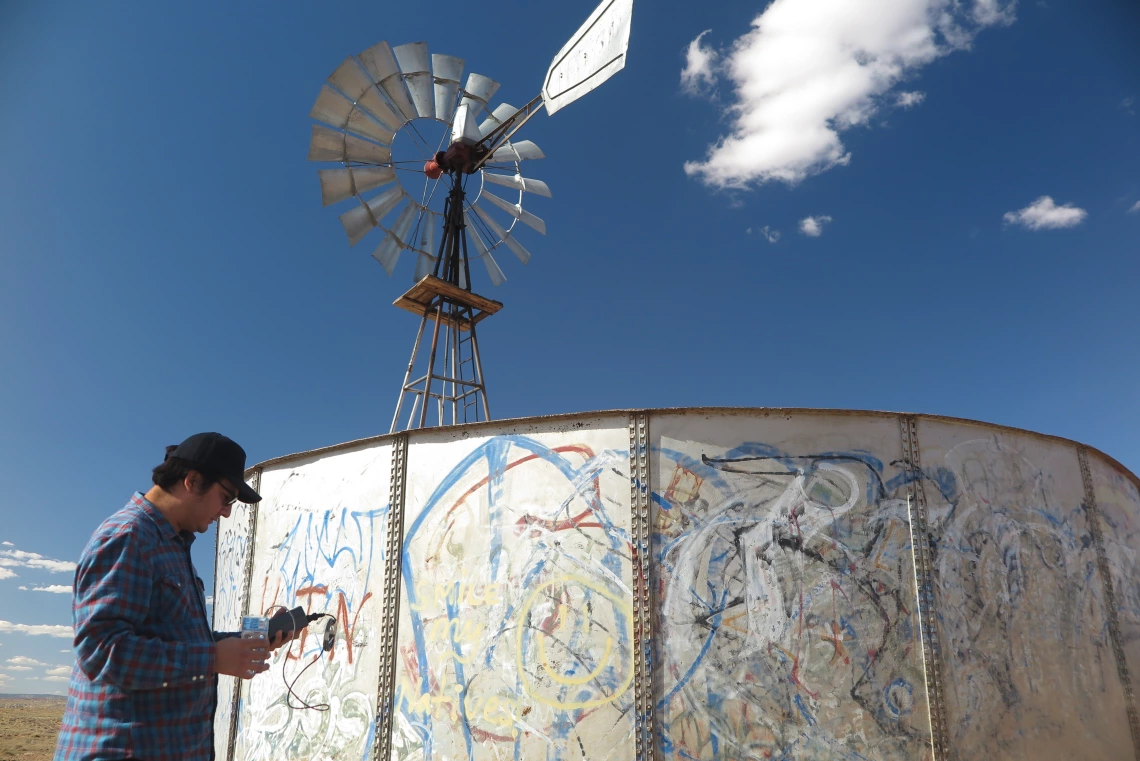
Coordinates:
(164, 526)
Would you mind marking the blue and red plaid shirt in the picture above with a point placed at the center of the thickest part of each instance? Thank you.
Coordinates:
(143, 685)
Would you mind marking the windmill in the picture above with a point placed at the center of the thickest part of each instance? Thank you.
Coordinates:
(433, 206)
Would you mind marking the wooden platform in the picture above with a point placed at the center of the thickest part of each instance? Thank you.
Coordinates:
(420, 296)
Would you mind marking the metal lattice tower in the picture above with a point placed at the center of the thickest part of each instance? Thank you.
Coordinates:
(453, 379)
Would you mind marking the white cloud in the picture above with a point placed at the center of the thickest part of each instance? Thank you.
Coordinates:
(7, 544)
(209, 599)
(59, 589)
(698, 75)
(1135, 208)
(19, 558)
(55, 678)
(813, 226)
(7, 574)
(810, 69)
(990, 12)
(59, 671)
(909, 99)
(17, 668)
(771, 235)
(50, 630)
(22, 660)
(1043, 214)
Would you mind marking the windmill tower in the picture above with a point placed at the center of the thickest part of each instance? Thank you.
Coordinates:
(438, 206)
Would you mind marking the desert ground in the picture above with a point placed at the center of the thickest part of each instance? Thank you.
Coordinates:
(28, 727)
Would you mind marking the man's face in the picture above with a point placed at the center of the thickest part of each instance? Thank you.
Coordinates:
(209, 505)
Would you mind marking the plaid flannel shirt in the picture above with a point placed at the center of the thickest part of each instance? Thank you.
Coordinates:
(143, 685)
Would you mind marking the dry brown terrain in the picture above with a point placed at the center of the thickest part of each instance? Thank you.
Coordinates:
(28, 727)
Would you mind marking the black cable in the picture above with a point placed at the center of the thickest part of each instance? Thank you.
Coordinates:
(289, 686)
(326, 645)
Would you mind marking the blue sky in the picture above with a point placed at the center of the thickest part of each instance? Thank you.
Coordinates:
(166, 266)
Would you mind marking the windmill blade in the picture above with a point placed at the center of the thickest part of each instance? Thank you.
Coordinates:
(381, 65)
(379, 62)
(447, 71)
(520, 151)
(594, 54)
(388, 252)
(516, 211)
(350, 80)
(508, 240)
(359, 220)
(480, 88)
(373, 103)
(328, 144)
(518, 182)
(416, 64)
(493, 269)
(426, 254)
(335, 109)
(497, 117)
(341, 184)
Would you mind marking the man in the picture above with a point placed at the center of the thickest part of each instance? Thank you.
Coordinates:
(144, 684)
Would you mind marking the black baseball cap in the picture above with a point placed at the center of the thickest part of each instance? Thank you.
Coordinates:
(220, 456)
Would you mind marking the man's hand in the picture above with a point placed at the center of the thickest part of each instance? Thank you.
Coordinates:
(239, 657)
(281, 639)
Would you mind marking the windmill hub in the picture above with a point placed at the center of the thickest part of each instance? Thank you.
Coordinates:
(458, 158)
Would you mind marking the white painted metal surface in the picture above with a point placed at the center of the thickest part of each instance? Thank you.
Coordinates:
(516, 211)
(341, 184)
(594, 54)
(321, 531)
(517, 181)
(783, 581)
(415, 63)
(523, 150)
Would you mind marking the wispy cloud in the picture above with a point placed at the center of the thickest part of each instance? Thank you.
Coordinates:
(21, 559)
(49, 630)
(1135, 208)
(23, 660)
(6, 573)
(767, 233)
(810, 69)
(63, 671)
(59, 589)
(1127, 104)
(813, 226)
(698, 77)
(1043, 214)
(16, 668)
(910, 99)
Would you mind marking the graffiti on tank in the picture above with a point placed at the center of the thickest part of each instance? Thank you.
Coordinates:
(788, 616)
(517, 634)
(1019, 617)
(229, 598)
(1119, 503)
(324, 562)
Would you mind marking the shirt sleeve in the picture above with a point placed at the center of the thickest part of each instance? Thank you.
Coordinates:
(113, 588)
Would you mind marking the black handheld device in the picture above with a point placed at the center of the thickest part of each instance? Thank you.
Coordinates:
(288, 621)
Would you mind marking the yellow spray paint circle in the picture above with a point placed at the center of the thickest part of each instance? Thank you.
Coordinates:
(622, 609)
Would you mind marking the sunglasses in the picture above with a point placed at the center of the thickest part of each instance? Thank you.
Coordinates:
(231, 497)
